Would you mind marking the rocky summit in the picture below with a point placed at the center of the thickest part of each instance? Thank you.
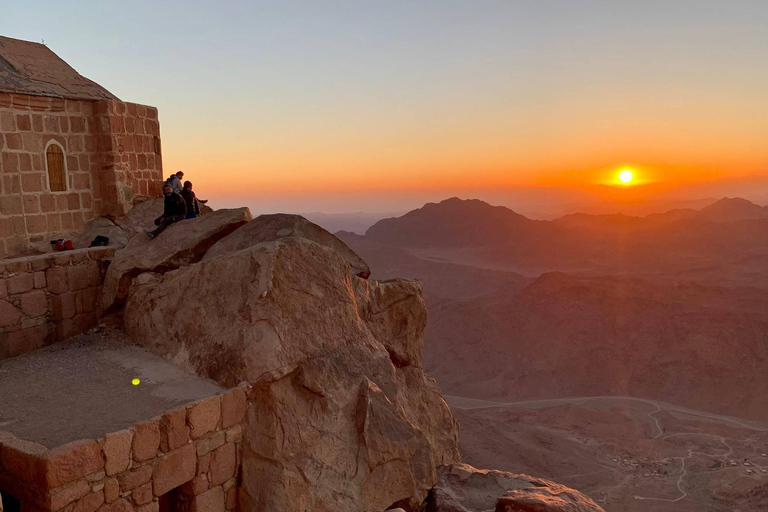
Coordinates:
(341, 415)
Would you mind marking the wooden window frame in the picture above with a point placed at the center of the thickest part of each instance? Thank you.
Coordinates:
(47, 171)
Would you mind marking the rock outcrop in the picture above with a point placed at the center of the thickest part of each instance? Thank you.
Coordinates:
(342, 416)
(462, 488)
(268, 228)
(181, 244)
(102, 226)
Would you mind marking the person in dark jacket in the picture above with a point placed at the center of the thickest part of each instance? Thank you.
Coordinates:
(193, 203)
(174, 210)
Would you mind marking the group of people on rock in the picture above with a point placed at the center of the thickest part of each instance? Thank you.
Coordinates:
(180, 203)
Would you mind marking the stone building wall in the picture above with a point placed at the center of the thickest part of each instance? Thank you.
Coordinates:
(112, 154)
(189, 456)
(49, 297)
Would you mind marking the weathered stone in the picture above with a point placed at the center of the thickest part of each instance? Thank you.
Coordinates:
(149, 507)
(462, 488)
(71, 461)
(235, 433)
(197, 485)
(204, 416)
(210, 443)
(269, 228)
(142, 495)
(57, 280)
(174, 432)
(234, 404)
(134, 478)
(9, 314)
(111, 490)
(117, 451)
(120, 505)
(21, 458)
(66, 495)
(90, 503)
(146, 440)
(212, 500)
(223, 463)
(181, 244)
(20, 283)
(174, 469)
(100, 227)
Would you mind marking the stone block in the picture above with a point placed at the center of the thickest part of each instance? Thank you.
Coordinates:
(117, 451)
(39, 278)
(21, 283)
(23, 459)
(174, 469)
(134, 478)
(234, 405)
(232, 498)
(223, 463)
(34, 303)
(142, 495)
(197, 485)
(111, 490)
(90, 503)
(63, 306)
(57, 280)
(146, 440)
(203, 463)
(36, 223)
(72, 461)
(9, 314)
(203, 417)
(78, 277)
(32, 182)
(62, 497)
(210, 443)
(174, 432)
(235, 433)
(120, 505)
(212, 500)
(149, 507)
(24, 123)
(31, 204)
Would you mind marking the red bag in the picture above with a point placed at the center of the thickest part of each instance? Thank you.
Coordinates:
(64, 244)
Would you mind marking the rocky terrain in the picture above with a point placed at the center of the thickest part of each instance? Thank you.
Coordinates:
(669, 308)
(343, 415)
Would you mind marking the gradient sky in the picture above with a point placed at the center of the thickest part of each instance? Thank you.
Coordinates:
(372, 105)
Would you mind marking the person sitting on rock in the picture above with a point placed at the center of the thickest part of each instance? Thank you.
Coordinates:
(174, 180)
(174, 210)
(193, 206)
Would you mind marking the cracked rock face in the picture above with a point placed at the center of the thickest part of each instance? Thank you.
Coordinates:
(463, 488)
(342, 415)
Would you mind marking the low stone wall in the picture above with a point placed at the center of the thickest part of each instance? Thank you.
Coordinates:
(189, 458)
(49, 297)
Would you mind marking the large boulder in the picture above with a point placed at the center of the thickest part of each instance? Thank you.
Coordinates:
(462, 488)
(183, 243)
(342, 416)
(141, 217)
(101, 226)
(268, 228)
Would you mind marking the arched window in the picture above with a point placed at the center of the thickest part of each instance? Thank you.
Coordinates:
(57, 172)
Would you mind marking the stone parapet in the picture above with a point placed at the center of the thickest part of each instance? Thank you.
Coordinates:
(187, 456)
(49, 297)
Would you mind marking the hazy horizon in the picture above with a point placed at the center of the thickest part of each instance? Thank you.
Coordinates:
(342, 106)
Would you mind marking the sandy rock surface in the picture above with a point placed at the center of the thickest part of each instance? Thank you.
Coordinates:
(100, 227)
(463, 488)
(268, 228)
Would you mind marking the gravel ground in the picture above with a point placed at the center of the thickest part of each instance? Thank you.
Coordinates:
(82, 388)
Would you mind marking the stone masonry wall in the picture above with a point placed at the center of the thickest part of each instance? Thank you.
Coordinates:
(49, 297)
(112, 152)
(189, 455)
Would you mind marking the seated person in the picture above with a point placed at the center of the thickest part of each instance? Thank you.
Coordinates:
(174, 210)
(193, 206)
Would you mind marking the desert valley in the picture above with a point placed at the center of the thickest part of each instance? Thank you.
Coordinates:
(624, 356)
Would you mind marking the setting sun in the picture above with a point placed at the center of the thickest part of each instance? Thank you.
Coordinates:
(626, 176)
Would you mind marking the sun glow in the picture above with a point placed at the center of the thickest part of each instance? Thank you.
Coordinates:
(626, 176)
